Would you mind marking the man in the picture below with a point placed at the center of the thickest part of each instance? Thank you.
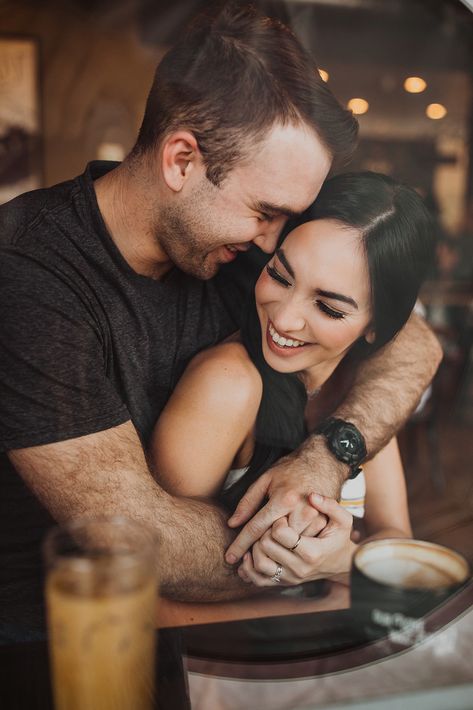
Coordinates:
(97, 325)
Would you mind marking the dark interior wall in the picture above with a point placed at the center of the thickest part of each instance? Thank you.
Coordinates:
(95, 75)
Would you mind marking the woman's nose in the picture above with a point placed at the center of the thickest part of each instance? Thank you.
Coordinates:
(288, 317)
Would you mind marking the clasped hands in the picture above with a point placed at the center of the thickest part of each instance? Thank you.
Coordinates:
(298, 536)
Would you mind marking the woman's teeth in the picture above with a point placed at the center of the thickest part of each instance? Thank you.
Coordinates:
(282, 341)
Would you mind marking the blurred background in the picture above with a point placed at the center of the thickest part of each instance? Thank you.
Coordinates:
(74, 76)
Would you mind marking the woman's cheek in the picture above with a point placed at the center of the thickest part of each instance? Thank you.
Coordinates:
(264, 289)
(335, 334)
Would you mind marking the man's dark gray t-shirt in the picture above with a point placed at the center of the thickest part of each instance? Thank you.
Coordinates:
(86, 344)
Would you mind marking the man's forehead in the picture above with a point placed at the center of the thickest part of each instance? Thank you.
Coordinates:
(286, 196)
(287, 171)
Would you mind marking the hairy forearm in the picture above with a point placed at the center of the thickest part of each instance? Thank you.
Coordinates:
(388, 386)
(106, 474)
(313, 468)
(194, 536)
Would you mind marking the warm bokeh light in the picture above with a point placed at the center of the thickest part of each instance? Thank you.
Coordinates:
(358, 106)
(436, 111)
(110, 151)
(324, 74)
(415, 84)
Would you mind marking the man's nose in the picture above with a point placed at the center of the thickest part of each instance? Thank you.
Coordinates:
(267, 240)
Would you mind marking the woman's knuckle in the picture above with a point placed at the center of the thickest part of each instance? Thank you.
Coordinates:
(304, 571)
(310, 558)
(279, 536)
(265, 545)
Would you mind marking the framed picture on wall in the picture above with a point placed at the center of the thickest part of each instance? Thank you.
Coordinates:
(20, 116)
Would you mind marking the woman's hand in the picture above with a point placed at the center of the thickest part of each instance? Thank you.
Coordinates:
(284, 557)
(287, 486)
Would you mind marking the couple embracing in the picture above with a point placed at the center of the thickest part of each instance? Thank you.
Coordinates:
(118, 288)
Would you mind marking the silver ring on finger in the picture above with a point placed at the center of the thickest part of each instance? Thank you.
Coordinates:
(277, 575)
(294, 546)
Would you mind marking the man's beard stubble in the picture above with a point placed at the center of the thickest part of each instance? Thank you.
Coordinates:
(186, 236)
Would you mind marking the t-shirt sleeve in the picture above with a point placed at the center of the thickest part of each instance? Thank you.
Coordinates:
(53, 380)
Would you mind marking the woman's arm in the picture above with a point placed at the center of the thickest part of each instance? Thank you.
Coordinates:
(386, 509)
(207, 420)
(330, 553)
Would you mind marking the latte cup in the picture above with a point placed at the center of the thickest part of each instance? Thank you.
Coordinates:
(396, 582)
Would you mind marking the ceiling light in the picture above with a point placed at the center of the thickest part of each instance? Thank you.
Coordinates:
(358, 106)
(436, 111)
(415, 84)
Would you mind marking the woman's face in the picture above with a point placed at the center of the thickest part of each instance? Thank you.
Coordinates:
(313, 300)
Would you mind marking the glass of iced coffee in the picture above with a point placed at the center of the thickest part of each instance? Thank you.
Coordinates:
(101, 599)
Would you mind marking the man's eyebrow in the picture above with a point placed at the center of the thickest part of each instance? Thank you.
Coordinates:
(282, 258)
(268, 208)
(336, 297)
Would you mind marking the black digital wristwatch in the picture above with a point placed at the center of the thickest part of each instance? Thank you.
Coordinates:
(345, 442)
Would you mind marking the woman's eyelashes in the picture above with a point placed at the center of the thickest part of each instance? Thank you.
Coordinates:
(330, 312)
(277, 276)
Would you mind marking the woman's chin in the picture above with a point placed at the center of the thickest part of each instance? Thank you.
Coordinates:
(281, 362)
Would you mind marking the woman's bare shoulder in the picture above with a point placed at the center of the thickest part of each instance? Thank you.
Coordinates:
(227, 370)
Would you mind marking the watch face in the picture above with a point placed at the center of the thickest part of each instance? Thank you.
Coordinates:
(346, 444)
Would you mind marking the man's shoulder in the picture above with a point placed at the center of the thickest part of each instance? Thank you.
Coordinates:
(24, 215)
(31, 219)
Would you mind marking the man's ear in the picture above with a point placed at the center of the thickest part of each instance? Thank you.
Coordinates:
(180, 155)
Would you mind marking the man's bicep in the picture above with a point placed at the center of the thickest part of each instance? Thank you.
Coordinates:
(98, 474)
(53, 380)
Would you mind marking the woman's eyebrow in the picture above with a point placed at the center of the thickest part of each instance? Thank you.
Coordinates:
(282, 258)
(336, 297)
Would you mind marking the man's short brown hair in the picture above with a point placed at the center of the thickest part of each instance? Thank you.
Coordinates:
(230, 79)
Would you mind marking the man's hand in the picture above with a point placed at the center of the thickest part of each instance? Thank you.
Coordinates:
(287, 485)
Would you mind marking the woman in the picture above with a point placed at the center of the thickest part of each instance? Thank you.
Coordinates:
(341, 285)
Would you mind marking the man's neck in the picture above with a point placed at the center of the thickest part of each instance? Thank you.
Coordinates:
(127, 213)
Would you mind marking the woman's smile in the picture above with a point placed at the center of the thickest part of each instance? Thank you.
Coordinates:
(281, 345)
